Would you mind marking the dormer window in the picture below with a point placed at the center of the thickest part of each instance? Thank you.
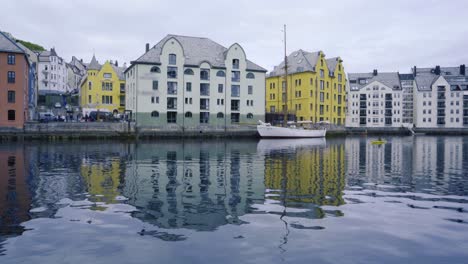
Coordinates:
(172, 59)
(235, 63)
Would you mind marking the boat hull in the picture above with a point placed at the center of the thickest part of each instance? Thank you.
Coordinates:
(284, 132)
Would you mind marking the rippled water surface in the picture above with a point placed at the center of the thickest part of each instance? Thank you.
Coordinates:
(235, 201)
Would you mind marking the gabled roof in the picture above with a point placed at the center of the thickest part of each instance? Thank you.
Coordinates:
(298, 61)
(7, 44)
(119, 71)
(196, 50)
(94, 64)
(424, 81)
(389, 79)
(332, 62)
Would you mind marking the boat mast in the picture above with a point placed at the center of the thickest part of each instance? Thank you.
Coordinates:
(285, 110)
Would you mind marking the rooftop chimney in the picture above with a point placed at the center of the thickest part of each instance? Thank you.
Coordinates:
(415, 71)
(437, 70)
(462, 69)
(116, 63)
(375, 72)
(147, 47)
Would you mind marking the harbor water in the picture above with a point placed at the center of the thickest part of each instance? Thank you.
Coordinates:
(340, 200)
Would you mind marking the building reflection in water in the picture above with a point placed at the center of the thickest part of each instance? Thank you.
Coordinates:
(197, 185)
(420, 163)
(305, 173)
(15, 195)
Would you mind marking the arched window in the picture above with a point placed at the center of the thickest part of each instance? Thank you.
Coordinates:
(155, 69)
(188, 72)
(250, 75)
(155, 114)
(172, 59)
(204, 75)
(235, 63)
(249, 115)
(188, 114)
(221, 74)
(220, 115)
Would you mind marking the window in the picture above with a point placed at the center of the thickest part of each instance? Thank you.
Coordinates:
(106, 99)
(272, 108)
(250, 75)
(220, 88)
(11, 77)
(249, 116)
(235, 64)
(122, 100)
(322, 74)
(321, 109)
(171, 103)
(204, 104)
(172, 59)
(89, 99)
(107, 75)
(107, 86)
(155, 99)
(12, 59)
(250, 89)
(171, 87)
(172, 117)
(155, 85)
(11, 96)
(235, 76)
(155, 69)
(155, 114)
(321, 97)
(220, 115)
(188, 87)
(188, 72)
(235, 90)
(204, 117)
(204, 74)
(235, 117)
(171, 72)
(221, 74)
(339, 77)
(11, 115)
(122, 87)
(204, 89)
(235, 105)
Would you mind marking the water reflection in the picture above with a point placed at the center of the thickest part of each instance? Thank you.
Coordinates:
(197, 185)
(275, 195)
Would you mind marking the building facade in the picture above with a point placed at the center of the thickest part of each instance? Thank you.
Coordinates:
(375, 100)
(103, 88)
(426, 98)
(53, 74)
(441, 97)
(316, 88)
(195, 83)
(14, 84)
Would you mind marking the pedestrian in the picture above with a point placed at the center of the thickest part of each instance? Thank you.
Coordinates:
(86, 118)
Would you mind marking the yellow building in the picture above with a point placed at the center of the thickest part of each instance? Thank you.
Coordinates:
(103, 88)
(316, 88)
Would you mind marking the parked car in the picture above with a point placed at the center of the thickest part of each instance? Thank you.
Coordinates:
(101, 116)
(45, 117)
(58, 105)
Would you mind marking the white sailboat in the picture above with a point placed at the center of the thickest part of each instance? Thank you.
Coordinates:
(266, 130)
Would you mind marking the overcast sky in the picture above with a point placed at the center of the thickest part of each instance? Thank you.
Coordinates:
(387, 35)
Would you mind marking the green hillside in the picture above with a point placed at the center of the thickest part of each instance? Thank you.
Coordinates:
(31, 46)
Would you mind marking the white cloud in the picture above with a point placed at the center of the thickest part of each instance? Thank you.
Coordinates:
(387, 35)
